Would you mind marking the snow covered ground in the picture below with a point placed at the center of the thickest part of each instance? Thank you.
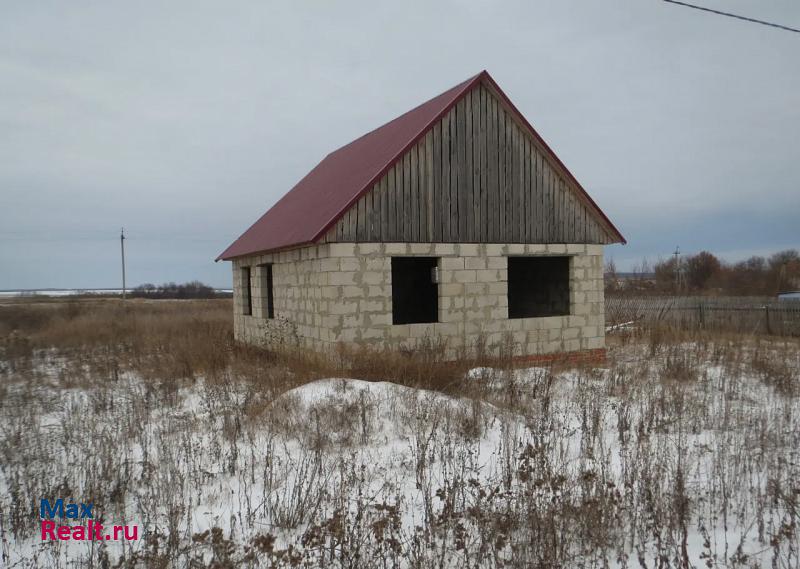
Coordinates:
(683, 455)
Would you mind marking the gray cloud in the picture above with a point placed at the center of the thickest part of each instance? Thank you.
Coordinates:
(184, 121)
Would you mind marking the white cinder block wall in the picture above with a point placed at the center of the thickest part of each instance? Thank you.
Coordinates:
(342, 292)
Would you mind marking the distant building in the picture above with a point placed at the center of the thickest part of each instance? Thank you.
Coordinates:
(453, 222)
(795, 295)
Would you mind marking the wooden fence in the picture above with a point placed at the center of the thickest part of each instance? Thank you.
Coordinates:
(763, 315)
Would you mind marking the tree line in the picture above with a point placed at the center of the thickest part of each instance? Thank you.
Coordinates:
(192, 289)
(705, 274)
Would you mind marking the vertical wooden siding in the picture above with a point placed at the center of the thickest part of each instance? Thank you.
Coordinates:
(476, 177)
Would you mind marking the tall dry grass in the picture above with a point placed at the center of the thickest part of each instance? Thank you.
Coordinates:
(182, 340)
(682, 452)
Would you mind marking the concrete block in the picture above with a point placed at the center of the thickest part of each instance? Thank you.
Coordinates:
(535, 248)
(332, 321)
(497, 263)
(440, 249)
(400, 331)
(373, 278)
(589, 331)
(552, 347)
(376, 264)
(452, 263)
(342, 249)
(499, 312)
(570, 333)
(575, 321)
(384, 319)
(497, 288)
(472, 289)
(352, 291)
(420, 248)
(519, 337)
(344, 308)
(368, 248)
(582, 309)
(475, 263)
(450, 316)
(352, 321)
(490, 275)
(329, 292)
(371, 306)
(552, 322)
(343, 278)
(373, 333)
(348, 335)
(465, 276)
(379, 291)
(349, 264)
(397, 249)
(446, 329)
(468, 249)
(451, 289)
(420, 330)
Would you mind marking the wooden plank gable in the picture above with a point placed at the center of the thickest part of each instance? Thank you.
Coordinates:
(476, 177)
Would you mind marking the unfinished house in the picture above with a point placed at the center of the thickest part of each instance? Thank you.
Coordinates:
(454, 222)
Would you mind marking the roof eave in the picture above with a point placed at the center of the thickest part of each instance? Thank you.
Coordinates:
(225, 257)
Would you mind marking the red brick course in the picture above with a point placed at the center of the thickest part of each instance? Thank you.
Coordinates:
(596, 356)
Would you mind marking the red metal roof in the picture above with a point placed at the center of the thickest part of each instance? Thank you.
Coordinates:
(306, 213)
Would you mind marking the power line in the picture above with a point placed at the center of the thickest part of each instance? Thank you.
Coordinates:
(728, 14)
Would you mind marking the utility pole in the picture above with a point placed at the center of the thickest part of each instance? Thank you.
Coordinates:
(677, 254)
(122, 249)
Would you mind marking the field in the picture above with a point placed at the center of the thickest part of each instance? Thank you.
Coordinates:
(683, 451)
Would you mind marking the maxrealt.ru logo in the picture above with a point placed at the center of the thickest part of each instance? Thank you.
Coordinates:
(86, 530)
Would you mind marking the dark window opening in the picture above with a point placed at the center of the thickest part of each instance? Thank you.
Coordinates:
(538, 286)
(247, 294)
(415, 294)
(267, 305)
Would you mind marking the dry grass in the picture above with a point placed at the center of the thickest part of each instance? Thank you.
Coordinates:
(684, 451)
(179, 340)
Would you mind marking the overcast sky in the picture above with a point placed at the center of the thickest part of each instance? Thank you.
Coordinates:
(185, 121)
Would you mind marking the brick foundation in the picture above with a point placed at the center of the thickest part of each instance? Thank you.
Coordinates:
(596, 356)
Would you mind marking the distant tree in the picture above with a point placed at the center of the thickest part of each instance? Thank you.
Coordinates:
(701, 269)
(666, 272)
(783, 258)
(747, 277)
(193, 289)
(640, 280)
(784, 271)
(610, 277)
(703, 272)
